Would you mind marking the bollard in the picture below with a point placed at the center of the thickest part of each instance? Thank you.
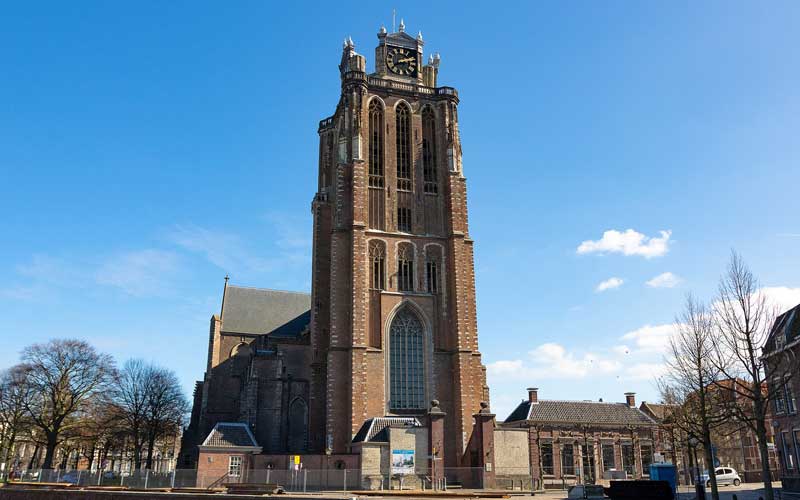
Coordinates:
(344, 481)
(268, 475)
(79, 478)
(146, 477)
(172, 483)
(305, 479)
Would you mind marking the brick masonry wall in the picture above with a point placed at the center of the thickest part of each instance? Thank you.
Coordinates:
(355, 368)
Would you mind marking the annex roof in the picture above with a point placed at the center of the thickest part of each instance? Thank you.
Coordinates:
(579, 412)
(230, 434)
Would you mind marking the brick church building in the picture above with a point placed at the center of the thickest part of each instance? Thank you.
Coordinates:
(390, 323)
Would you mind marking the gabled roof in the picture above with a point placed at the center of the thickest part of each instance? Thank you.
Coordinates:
(373, 429)
(230, 435)
(579, 412)
(258, 311)
(657, 411)
(787, 327)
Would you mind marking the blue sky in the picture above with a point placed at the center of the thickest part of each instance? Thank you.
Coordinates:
(149, 148)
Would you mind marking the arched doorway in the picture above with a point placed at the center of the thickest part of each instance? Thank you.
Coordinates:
(406, 362)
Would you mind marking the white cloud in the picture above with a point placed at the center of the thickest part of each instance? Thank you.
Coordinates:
(651, 338)
(553, 361)
(139, 273)
(621, 350)
(224, 250)
(644, 371)
(781, 297)
(629, 242)
(609, 284)
(664, 280)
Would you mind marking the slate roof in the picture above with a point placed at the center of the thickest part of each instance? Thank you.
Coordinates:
(786, 325)
(579, 412)
(258, 311)
(230, 434)
(374, 429)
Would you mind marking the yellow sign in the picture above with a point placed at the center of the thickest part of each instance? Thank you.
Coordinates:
(296, 459)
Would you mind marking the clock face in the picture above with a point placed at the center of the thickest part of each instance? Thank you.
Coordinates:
(402, 61)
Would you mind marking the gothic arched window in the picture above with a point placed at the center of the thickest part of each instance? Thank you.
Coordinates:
(433, 265)
(407, 362)
(405, 267)
(375, 143)
(403, 146)
(377, 257)
(431, 182)
(298, 425)
(376, 171)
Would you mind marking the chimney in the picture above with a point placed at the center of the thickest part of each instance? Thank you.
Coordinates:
(533, 394)
(630, 398)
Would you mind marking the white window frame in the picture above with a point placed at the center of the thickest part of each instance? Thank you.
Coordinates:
(234, 466)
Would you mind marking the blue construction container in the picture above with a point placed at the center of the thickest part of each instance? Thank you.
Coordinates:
(665, 472)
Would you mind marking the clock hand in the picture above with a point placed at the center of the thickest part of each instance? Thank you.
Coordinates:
(407, 59)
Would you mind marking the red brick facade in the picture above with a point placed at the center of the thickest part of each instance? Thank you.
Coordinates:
(351, 318)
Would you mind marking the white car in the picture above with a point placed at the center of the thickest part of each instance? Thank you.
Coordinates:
(725, 476)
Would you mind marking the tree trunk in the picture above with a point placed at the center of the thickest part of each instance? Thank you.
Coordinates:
(50, 451)
(151, 444)
(12, 439)
(766, 473)
(710, 463)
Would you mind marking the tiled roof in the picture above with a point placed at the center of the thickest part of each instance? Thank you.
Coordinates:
(579, 412)
(658, 411)
(229, 434)
(258, 311)
(372, 429)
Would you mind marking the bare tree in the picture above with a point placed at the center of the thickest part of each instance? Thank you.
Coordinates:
(14, 392)
(166, 407)
(130, 396)
(150, 405)
(743, 320)
(64, 375)
(689, 380)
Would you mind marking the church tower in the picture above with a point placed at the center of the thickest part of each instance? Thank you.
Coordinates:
(393, 320)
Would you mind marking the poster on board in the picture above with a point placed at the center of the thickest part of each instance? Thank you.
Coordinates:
(402, 461)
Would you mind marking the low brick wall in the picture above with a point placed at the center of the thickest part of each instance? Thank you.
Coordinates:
(14, 493)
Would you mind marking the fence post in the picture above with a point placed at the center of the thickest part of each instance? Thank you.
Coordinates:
(99, 477)
(268, 471)
(146, 477)
(58, 475)
(79, 478)
(172, 483)
(305, 479)
(344, 481)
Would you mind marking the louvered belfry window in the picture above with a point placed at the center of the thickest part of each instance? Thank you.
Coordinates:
(403, 143)
(431, 182)
(377, 201)
(407, 362)
(375, 144)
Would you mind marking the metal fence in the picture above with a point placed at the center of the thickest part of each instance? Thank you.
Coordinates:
(303, 480)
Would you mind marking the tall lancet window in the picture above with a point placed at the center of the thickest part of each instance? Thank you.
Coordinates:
(403, 146)
(378, 265)
(405, 268)
(407, 362)
(431, 181)
(375, 143)
(376, 176)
